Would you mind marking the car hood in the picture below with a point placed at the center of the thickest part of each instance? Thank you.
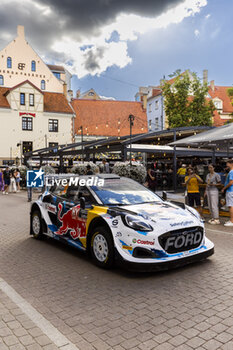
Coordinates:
(164, 213)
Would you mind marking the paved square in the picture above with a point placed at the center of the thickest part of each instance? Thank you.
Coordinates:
(186, 308)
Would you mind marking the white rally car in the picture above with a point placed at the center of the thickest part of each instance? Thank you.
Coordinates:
(116, 219)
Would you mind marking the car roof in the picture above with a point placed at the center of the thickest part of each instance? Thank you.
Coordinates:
(67, 176)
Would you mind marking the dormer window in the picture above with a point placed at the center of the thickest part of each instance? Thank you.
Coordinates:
(42, 84)
(9, 62)
(91, 93)
(218, 104)
(33, 66)
(1, 80)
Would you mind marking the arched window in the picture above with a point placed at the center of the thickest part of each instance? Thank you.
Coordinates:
(1, 80)
(33, 67)
(9, 62)
(42, 84)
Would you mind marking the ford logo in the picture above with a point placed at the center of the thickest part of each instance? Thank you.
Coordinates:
(184, 240)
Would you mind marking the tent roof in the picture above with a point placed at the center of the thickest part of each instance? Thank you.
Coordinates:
(217, 135)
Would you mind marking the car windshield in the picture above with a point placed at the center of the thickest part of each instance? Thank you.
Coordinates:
(124, 191)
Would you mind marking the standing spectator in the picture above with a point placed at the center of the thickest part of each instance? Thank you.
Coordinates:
(1, 181)
(17, 177)
(192, 182)
(106, 169)
(151, 178)
(6, 176)
(181, 174)
(229, 191)
(89, 171)
(12, 187)
(213, 180)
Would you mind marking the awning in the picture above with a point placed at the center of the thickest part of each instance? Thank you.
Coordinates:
(222, 134)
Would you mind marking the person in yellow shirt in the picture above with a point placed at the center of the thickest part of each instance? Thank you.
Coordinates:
(192, 182)
(181, 174)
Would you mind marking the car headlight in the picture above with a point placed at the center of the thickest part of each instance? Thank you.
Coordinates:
(136, 223)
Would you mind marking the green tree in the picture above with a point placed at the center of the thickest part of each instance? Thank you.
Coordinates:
(185, 101)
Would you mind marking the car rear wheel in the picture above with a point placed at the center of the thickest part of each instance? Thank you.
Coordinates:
(37, 230)
(102, 247)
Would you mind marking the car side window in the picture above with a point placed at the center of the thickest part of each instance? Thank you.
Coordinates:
(85, 193)
(60, 190)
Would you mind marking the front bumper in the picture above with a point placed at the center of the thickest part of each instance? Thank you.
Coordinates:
(165, 265)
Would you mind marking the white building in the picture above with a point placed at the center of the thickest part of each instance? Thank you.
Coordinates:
(34, 109)
(152, 100)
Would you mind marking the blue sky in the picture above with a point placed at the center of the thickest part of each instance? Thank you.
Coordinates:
(160, 52)
(103, 42)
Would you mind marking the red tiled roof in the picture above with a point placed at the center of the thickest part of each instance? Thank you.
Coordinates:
(56, 102)
(221, 93)
(53, 102)
(3, 100)
(96, 114)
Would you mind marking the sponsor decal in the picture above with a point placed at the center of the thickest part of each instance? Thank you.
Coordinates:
(127, 247)
(118, 234)
(182, 223)
(140, 241)
(71, 221)
(183, 241)
(51, 208)
(35, 178)
(114, 222)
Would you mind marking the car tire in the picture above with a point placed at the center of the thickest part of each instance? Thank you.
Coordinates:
(102, 247)
(37, 228)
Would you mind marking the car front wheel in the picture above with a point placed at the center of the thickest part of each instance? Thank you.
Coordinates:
(102, 247)
(37, 230)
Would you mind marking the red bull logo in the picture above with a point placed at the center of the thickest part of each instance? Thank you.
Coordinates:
(71, 221)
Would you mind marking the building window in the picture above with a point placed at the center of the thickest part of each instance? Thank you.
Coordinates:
(150, 124)
(1, 80)
(27, 146)
(42, 84)
(22, 99)
(33, 66)
(156, 104)
(218, 104)
(53, 125)
(31, 99)
(9, 62)
(150, 107)
(57, 75)
(27, 123)
(156, 123)
(91, 93)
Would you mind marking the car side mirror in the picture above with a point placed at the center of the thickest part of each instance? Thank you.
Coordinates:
(164, 195)
(82, 203)
(47, 198)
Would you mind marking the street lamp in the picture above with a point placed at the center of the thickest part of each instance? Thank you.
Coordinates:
(131, 119)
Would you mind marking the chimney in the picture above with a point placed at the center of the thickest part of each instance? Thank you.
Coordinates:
(205, 76)
(77, 93)
(20, 31)
(65, 89)
(212, 85)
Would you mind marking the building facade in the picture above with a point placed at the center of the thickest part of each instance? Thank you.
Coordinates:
(152, 100)
(34, 110)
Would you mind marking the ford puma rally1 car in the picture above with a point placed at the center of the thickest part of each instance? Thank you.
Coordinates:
(115, 218)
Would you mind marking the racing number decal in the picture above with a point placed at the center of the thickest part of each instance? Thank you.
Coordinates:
(71, 221)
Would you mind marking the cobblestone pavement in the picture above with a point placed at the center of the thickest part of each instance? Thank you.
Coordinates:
(187, 308)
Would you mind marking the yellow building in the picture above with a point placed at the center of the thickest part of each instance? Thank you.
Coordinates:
(34, 109)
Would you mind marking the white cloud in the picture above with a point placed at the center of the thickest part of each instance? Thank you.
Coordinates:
(208, 16)
(103, 54)
(196, 32)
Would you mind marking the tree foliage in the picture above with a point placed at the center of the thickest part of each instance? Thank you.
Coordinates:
(185, 101)
(230, 94)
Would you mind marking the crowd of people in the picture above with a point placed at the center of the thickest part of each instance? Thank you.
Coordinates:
(216, 180)
(9, 180)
